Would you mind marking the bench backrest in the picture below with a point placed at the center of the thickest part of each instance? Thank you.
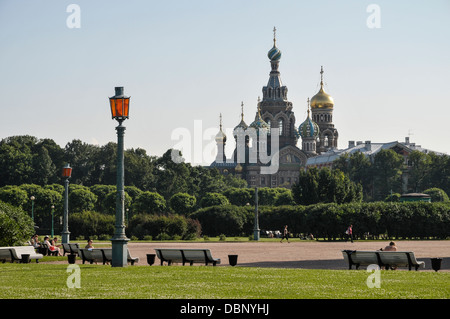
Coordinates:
(195, 254)
(107, 252)
(169, 254)
(361, 257)
(398, 258)
(92, 254)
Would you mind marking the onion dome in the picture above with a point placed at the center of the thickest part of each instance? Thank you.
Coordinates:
(221, 137)
(242, 123)
(308, 128)
(274, 54)
(322, 99)
(259, 123)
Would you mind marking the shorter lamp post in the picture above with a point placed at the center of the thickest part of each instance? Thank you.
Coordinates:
(53, 212)
(32, 207)
(256, 230)
(66, 174)
(119, 104)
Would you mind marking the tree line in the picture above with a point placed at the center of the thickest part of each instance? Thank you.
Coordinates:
(386, 172)
(29, 160)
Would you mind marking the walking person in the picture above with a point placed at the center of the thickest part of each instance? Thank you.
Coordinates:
(285, 234)
(349, 233)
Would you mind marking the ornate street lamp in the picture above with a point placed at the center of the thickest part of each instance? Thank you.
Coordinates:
(66, 174)
(119, 104)
(256, 230)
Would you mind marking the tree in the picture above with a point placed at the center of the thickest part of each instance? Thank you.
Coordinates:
(213, 199)
(14, 196)
(387, 167)
(80, 157)
(16, 226)
(306, 190)
(149, 203)
(325, 186)
(358, 168)
(419, 166)
(182, 203)
(81, 199)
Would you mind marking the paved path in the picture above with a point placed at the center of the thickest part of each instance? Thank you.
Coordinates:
(303, 254)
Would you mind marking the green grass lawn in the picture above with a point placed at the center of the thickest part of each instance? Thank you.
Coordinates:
(24, 281)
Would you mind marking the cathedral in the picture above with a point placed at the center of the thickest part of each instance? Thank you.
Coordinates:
(266, 153)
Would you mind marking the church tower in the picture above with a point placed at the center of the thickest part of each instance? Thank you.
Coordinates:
(322, 105)
(309, 131)
(221, 140)
(275, 108)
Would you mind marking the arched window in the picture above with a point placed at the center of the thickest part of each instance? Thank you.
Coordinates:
(280, 126)
(268, 123)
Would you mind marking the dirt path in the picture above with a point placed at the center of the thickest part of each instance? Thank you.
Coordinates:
(304, 254)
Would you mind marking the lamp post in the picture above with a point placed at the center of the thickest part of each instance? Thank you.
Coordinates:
(66, 174)
(256, 230)
(119, 104)
(53, 211)
(32, 207)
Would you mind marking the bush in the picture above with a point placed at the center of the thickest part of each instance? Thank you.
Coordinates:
(182, 203)
(88, 224)
(16, 227)
(223, 219)
(163, 227)
(149, 203)
(437, 194)
(213, 199)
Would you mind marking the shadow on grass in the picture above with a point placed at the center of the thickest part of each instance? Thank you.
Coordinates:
(334, 264)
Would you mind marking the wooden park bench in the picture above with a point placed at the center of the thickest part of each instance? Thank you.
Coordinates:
(191, 256)
(387, 259)
(71, 249)
(91, 255)
(107, 256)
(17, 253)
(103, 255)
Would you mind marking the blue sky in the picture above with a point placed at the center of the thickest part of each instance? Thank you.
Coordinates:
(186, 61)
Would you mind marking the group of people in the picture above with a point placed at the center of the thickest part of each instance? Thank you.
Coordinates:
(52, 244)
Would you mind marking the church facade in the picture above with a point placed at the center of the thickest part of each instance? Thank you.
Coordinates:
(266, 153)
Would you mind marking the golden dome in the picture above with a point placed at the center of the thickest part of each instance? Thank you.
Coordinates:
(322, 99)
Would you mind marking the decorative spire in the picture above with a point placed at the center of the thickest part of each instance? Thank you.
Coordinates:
(308, 106)
(221, 121)
(321, 76)
(274, 54)
(274, 36)
(242, 111)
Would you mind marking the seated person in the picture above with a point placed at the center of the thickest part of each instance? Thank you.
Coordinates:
(391, 247)
(51, 247)
(35, 241)
(89, 244)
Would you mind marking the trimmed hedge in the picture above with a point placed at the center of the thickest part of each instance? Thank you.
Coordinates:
(399, 220)
(162, 227)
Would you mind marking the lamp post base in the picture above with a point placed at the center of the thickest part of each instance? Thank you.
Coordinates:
(119, 252)
(256, 233)
(65, 237)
